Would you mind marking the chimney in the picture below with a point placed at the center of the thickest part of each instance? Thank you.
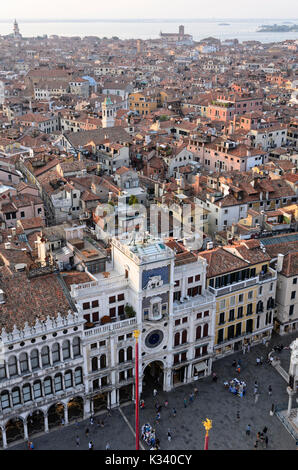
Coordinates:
(280, 259)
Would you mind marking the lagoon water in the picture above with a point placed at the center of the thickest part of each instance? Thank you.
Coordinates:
(241, 29)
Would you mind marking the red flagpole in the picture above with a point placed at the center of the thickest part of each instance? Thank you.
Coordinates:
(207, 426)
(136, 335)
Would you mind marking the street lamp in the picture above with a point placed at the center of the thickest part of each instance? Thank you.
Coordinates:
(136, 335)
(207, 426)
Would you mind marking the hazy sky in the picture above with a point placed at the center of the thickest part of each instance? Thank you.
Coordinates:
(76, 9)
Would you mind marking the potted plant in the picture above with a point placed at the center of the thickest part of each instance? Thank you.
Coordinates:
(105, 319)
(129, 311)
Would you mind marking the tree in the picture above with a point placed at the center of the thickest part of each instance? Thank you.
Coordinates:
(133, 200)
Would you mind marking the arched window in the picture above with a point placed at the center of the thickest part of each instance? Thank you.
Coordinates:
(24, 362)
(103, 361)
(5, 402)
(66, 349)
(76, 347)
(205, 330)
(184, 337)
(37, 393)
(121, 355)
(259, 306)
(48, 389)
(58, 383)
(270, 303)
(198, 332)
(45, 356)
(16, 396)
(12, 366)
(56, 353)
(78, 375)
(2, 371)
(27, 393)
(68, 379)
(129, 353)
(177, 339)
(94, 364)
(34, 358)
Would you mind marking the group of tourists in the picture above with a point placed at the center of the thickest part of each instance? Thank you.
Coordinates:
(237, 387)
(148, 435)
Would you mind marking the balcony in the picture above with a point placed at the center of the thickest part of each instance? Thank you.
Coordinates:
(188, 303)
(234, 287)
(99, 330)
(269, 276)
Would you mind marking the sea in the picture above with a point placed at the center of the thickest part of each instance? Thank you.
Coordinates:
(241, 29)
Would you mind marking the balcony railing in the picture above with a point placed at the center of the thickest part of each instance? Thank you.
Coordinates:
(110, 327)
(234, 287)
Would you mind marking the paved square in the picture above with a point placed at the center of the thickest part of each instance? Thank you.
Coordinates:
(213, 402)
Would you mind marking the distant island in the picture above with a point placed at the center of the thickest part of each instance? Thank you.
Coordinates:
(224, 24)
(278, 28)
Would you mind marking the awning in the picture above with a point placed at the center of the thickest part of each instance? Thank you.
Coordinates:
(200, 366)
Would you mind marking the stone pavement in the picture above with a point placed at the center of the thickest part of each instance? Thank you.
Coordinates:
(213, 402)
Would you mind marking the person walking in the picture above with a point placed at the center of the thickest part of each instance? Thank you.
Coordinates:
(266, 441)
(166, 403)
(238, 415)
(248, 428)
(90, 445)
(258, 361)
(169, 436)
(269, 390)
(191, 398)
(87, 432)
(248, 347)
(77, 441)
(91, 421)
(174, 412)
(154, 392)
(108, 447)
(157, 419)
(185, 402)
(195, 391)
(265, 430)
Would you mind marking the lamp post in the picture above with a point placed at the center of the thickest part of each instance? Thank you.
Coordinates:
(207, 426)
(136, 335)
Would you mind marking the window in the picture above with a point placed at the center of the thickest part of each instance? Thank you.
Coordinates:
(190, 280)
(2, 371)
(222, 304)
(34, 357)
(184, 320)
(56, 353)
(120, 297)
(27, 393)
(24, 362)
(112, 312)
(78, 376)
(5, 403)
(86, 305)
(240, 298)
(76, 347)
(121, 356)
(129, 353)
(184, 337)
(103, 361)
(205, 330)
(37, 389)
(231, 314)
(249, 309)
(206, 313)
(198, 332)
(12, 366)
(112, 299)
(250, 295)
(66, 350)
(293, 294)
(177, 322)
(238, 329)
(240, 312)
(291, 309)
(68, 379)
(295, 280)
(48, 386)
(197, 277)
(232, 301)
(94, 303)
(45, 356)
(58, 383)
(220, 336)
(221, 318)
(15, 396)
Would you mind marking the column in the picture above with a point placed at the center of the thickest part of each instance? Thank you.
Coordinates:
(66, 413)
(25, 429)
(113, 397)
(46, 422)
(87, 408)
(291, 393)
(4, 438)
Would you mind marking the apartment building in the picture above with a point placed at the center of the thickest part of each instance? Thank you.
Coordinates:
(244, 286)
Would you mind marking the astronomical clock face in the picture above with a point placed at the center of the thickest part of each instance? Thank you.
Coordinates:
(154, 338)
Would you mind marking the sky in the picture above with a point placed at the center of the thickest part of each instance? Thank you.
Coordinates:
(171, 9)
